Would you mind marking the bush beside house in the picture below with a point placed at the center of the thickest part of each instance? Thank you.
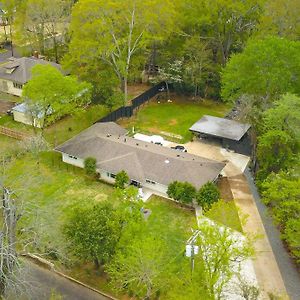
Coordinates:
(207, 195)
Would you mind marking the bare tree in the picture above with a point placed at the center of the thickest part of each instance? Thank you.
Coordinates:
(10, 266)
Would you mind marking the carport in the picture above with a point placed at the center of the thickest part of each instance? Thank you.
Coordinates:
(230, 134)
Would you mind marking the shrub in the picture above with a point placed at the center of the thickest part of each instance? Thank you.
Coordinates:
(181, 191)
(121, 179)
(207, 195)
(90, 166)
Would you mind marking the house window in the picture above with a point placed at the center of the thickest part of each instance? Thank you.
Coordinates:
(150, 181)
(73, 157)
(18, 85)
(111, 175)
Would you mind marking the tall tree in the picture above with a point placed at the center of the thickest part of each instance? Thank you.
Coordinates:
(266, 69)
(284, 115)
(197, 65)
(9, 260)
(220, 252)
(39, 20)
(10, 8)
(93, 232)
(49, 94)
(282, 18)
(114, 31)
(140, 264)
(225, 24)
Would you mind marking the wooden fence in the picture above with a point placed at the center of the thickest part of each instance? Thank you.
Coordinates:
(13, 133)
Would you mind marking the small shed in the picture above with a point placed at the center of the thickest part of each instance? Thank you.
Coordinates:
(230, 134)
(21, 114)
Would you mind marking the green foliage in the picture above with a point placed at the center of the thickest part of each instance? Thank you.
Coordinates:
(181, 191)
(116, 48)
(274, 20)
(291, 235)
(281, 193)
(275, 69)
(93, 232)
(138, 264)
(284, 115)
(218, 249)
(274, 152)
(121, 180)
(90, 164)
(51, 95)
(207, 195)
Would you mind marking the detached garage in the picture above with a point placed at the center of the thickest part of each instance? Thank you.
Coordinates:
(230, 134)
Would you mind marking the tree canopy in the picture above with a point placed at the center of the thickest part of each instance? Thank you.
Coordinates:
(267, 68)
(49, 94)
(113, 32)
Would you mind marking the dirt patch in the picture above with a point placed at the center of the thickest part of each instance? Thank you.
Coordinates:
(101, 197)
(173, 122)
(136, 90)
(5, 106)
(224, 188)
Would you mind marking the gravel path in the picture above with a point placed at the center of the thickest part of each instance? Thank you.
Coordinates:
(289, 272)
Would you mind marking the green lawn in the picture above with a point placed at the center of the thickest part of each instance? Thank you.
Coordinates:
(63, 129)
(175, 118)
(48, 190)
(226, 213)
(6, 144)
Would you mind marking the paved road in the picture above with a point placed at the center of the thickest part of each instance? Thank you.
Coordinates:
(43, 282)
(289, 273)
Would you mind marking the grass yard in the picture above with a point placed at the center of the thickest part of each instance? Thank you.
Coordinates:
(48, 189)
(63, 129)
(226, 213)
(174, 118)
(6, 144)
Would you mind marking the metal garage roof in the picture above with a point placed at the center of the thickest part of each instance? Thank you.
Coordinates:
(220, 127)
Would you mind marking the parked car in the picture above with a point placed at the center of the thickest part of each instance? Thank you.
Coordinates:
(179, 148)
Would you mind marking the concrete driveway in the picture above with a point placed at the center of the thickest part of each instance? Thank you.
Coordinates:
(266, 268)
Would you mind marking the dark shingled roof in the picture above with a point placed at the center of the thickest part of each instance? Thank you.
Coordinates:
(141, 160)
(220, 127)
(19, 69)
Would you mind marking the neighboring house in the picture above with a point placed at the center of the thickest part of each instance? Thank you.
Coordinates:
(21, 114)
(15, 73)
(230, 134)
(147, 165)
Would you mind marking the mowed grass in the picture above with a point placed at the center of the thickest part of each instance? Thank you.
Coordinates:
(48, 190)
(63, 129)
(7, 144)
(175, 118)
(225, 213)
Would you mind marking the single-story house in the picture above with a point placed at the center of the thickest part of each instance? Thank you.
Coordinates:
(230, 134)
(15, 73)
(147, 165)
